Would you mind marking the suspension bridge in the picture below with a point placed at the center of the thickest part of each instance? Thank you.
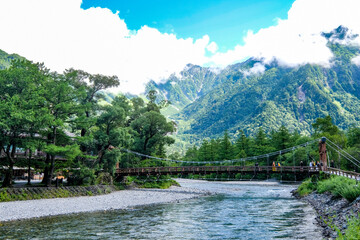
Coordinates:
(241, 166)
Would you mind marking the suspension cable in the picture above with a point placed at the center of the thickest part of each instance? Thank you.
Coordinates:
(344, 155)
(223, 161)
(343, 151)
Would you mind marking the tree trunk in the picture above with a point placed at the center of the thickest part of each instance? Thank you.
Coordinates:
(46, 170)
(29, 167)
(52, 166)
(9, 173)
(8, 176)
(50, 161)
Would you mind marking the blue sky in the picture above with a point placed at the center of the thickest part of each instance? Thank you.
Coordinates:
(140, 40)
(225, 22)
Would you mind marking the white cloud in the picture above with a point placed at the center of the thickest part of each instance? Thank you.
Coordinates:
(356, 60)
(297, 40)
(62, 35)
(212, 47)
(258, 68)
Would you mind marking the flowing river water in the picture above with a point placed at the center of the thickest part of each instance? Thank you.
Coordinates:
(240, 210)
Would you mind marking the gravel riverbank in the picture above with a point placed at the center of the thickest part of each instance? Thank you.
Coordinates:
(125, 199)
(332, 210)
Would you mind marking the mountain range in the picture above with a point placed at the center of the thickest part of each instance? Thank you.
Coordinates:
(205, 101)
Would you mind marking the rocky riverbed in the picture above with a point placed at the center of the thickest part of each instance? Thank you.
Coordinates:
(332, 211)
(125, 199)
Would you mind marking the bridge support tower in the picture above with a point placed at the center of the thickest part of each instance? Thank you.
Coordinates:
(322, 153)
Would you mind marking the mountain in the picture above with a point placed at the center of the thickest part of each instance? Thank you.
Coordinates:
(292, 97)
(186, 87)
(236, 98)
(5, 59)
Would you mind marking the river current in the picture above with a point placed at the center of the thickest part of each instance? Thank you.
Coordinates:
(240, 210)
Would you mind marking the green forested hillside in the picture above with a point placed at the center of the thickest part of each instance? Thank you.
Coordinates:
(293, 97)
(5, 59)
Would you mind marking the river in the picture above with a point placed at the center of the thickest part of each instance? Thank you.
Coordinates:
(240, 210)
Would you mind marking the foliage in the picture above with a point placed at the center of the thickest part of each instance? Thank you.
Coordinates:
(4, 197)
(60, 115)
(19, 194)
(353, 229)
(162, 182)
(306, 187)
(82, 176)
(104, 179)
(337, 185)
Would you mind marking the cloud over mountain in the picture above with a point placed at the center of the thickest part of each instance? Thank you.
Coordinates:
(298, 39)
(62, 35)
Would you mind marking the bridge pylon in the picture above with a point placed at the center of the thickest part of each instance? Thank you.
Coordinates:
(322, 153)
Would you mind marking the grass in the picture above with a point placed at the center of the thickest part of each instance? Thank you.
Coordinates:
(337, 185)
(17, 194)
(306, 187)
(163, 182)
(353, 229)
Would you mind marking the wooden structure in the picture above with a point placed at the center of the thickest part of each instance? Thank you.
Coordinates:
(322, 153)
(339, 172)
(155, 171)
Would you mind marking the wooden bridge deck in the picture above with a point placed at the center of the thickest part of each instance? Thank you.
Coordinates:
(150, 171)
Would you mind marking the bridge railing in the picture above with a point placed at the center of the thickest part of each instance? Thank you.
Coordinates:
(339, 172)
(213, 169)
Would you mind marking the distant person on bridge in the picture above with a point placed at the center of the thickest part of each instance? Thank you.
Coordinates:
(273, 167)
(332, 164)
(301, 165)
(256, 168)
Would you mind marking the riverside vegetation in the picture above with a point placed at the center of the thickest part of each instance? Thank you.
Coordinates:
(340, 217)
(18, 194)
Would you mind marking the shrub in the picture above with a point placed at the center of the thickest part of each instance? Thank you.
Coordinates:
(327, 185)
(306, 187)
(349, 192)
(104, 179)
(340, 186)
(83, 176)
(4, 197)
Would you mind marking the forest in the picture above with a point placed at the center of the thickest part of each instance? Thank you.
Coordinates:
(63, 115)
(224, 148)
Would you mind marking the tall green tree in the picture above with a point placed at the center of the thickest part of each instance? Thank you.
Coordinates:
(21, 108)
(61, 101)
(226, 149)
(151, 128)
(281, 139)
(112, 134)
(92, 85)
(242, 145)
